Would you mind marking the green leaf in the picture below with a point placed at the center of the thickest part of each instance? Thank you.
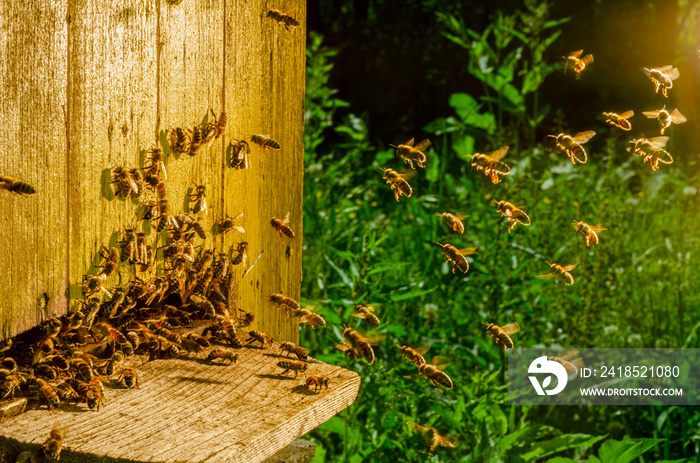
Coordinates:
(335, 425)
(541, 449)
(410, 295)
(555, 22)
(343, 276)
(613, 451)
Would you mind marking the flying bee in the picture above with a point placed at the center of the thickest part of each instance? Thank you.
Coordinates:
(457, 256)
(415, 356)
(348, 350)
(157, 162)
(259, 336)
(300, 352)
(265, 142)
(51, 448)
(433, 439)
(287, 302)
(559, 272)
(589, 232)
(366, 313)
(195, 142)
(241, 254)
(619, 120)
(662, 77)
(433, 373)
(130, 377)
(453, 221)
(572, 145)
(513, 214)
(282, 227)
(665, 118)
(410, 153)
(229, 223)
(491, 164)
(282, 18)
(652, 151)
(239, 157)
(292, 365)
(199, 198)
(360, 344)
(223, 354)
(571, 365)
(502, 334)
(576, 63)
(307, 317)
(11, 185)
(318, 382)
(398, 183)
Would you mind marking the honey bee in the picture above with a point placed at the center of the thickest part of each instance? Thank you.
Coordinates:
(259, 336)
(434, 374)
(265, 142)
(457, 256)
(180, 144)
(662, 77)
(619, 120)
(83, 369)
(150, 210)
(239, 157)
(113, 363)
(11, 185)
(665, 118)
(559, 272)
(92, 284)
(110, 259)
(157, 162)
(433, 439)
(10, 384)
(199, 197)
(130, 377)
(48, 393)
(241, 254)
(282, 18)
(410, 153)
(589, 232)
(228, 223)
(367, 314)
(513, 214)
(195, 142)
(453, 221)
(491, 164)
(348, 350)
(201, 340)
(415, 356)
(161, 190)
(398, 183)
(45, 370)
(51, 448)
(576, 63)
(318, 382)
(502, 334)
(287, 302)
(223, 354)
(307, 317)
(571, 365)
(216, 128)
(92, 393)
(126, 185)
(230, 329)
(652, 151)
(165, 219)
(292, 365)
(572, 145)
(282, 226)
(300, 352)
(360, 344)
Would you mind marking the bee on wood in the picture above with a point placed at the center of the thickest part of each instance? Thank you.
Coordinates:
(652, 151)
(292, 365)
(216, 128)
(433, 373)
(457, 256)
(91, 284)
(662, 78)
(241, 254)
(11, 185)
(48, 393)
(415, 356)
(398, 183)
(283, 18)
(229, 223)
(576, 63)
(230, 329)
(10, 384)
(513, 214)
(93, 394)
(282, 227)
(560, 272)
(195, 142)
(589, 232)
(410, 153)
(165, 219)
(318, 382)
(246, 319)
(290, 348)
(180, 144)
(110, 259)
(502, 334)
(199, 199)
(82, 369)
(239, 157)
(201, 340)
(259, 336)
(571, 365)
(126, 185)
(44, 370)
(491, 164)
(665, 118)
(157, 162)
(433, 439)
(150, 210)
(220, 267)
(360, 343)
(367, 314)
(51, 448)
(265, 142)
(129, 377)
(619, 120)
(223, 354)
(113, 363)
(453, 221)
(572, 145)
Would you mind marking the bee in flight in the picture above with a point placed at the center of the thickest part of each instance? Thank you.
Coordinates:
(652, 150)
(433, 439)
(433, 373)
(366, 312)
(415, 356)
(576, 63)
(398, 183)
(559, 272)
(453, 221)
(513, 214)
(589, 232)
(282, 18)
(491, 164)
(410, 153)
(571, 365)
(572, 145)
(14, 186)
(502, 334)
(665, 118)
(457, 256)
(360, 344)
(619, 120)
(662, 77)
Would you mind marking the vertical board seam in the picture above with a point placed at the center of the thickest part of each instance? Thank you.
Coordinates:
(66, 116)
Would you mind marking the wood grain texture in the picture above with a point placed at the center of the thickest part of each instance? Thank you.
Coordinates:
(190, 409)
(299, 451)
(32, 150)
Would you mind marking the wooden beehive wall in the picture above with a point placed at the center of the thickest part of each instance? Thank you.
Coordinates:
(89, 84)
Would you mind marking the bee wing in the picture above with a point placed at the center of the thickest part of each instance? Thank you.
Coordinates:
(673, 73)
(445, 442)
(588, 59)
(652, 114)
(626, 114)
(576, 54)
(497, 155)
(417, 427)
(665, 69)
(583, 137)
(239, 229)
(598, 228)
(511, 328)
(568, 354)
(342, 347)
(569, 268)
(545, 277)
(440, 362)
(677, 117)
(286, 219)
(422, 349)
(374, 338)
(659, 142)
(421, 146)
(467, 251)
(409, 142)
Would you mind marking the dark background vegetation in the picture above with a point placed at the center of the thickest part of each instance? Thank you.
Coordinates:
(473, 76)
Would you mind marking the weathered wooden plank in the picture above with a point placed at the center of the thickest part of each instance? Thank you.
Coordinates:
(299, 451)
(33, 147)
(264, 95)
(112, 119)
(191, 410)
